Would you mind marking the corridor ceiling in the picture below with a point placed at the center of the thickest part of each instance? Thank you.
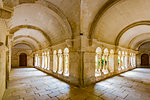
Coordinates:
(118, 22)
(43, 23)
(40, 22)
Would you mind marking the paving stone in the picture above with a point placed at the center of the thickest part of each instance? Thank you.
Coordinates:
(32, 84)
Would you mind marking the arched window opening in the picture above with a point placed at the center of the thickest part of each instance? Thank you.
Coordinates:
(134, 60)
(36, 60)
(39, 61)
(66, 60)
(60, 66)
(119, 60)
(111, 61)
(98, 62)
(126, 60)
(105, 61)
(122, 60)
(131, 59)
(54, 61)
(48, 61)
(43, 60)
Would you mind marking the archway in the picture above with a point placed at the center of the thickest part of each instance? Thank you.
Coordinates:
(145, 59)
(22, 59)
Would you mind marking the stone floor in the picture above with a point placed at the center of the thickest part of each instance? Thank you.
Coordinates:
(32, 84)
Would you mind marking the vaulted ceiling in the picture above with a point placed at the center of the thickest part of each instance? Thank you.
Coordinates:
(43, 23)
(117, 22)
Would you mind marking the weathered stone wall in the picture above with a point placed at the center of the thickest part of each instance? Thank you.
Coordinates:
(3, 49)
(15, 57)
(139, 57)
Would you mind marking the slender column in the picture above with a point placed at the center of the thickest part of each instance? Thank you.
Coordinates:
(108, 63)
(119, 66)
(96, 70)
(128, 60)
(51, 61)
(68, 65)
(63, 64)
(98, 61)
(44, 61)
(48, 60)
(57, 63)
(103, 62)
(104, 65)
(115, 62)
(40, 56)
(101, 67)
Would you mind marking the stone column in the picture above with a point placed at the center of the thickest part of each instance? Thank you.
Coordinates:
(40, 56)
(57, 63)
(103, 57)
(115, 63)
(97, 62)
(108, 63)
(128, 61)
(10, 45)
(63, 63)
(101, 67)
(51, 61)
(89, 67)
(48, 60)
(75, 67)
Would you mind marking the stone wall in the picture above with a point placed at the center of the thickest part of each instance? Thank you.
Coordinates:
(139, 58)
(15, 56)
(3, 49)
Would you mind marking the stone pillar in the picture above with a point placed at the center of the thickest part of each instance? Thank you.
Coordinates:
(108, 63)
(63, 63)
(124, 61)
(57, 63)
(103, 56)
(128, 61)
(40, 56)
(101, 67)
(89, 68)
(51, 61)
(75, 67)
(3, 49)
(115, 62)
(10, 45)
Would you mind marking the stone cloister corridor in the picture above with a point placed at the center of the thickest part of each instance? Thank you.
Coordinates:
(74, 49)
(32, 84)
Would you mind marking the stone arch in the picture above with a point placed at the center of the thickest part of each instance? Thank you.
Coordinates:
(21, 36)
(146, 22)
(98, 50)
(100, 13)
(145, 35)
(26, 43)
(137, 46)
(17, 28)
(55, 9)
(60, 14)
(23, 51)
(23, 59)
(29, 41)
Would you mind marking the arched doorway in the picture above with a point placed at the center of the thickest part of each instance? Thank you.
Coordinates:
(22, 59)
(144, 59)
